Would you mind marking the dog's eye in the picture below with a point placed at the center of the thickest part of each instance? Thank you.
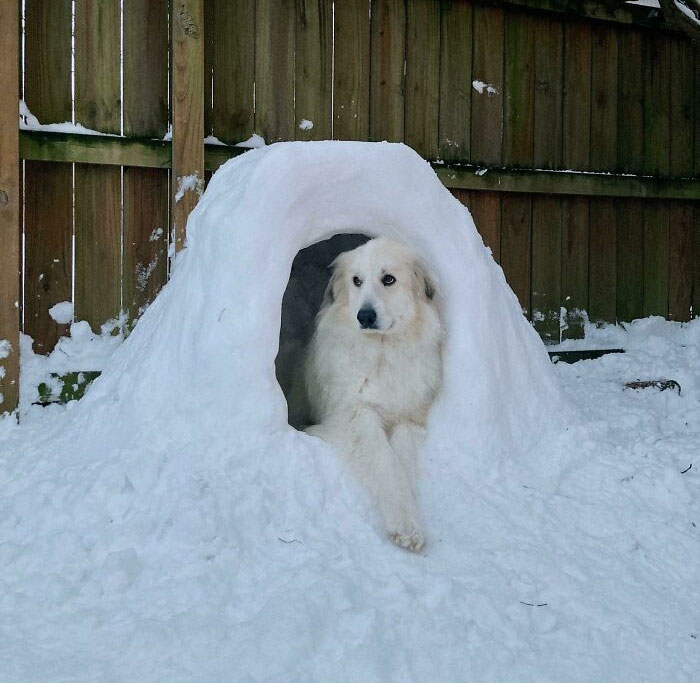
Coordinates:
(388, 280)
(356, 281)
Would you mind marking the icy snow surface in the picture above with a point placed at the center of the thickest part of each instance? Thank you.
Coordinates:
(171, 527)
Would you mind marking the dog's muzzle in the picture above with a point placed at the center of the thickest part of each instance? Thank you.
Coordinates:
(367, 317)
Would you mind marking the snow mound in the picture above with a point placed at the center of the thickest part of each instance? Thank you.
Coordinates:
(206, 347)
(172, 526)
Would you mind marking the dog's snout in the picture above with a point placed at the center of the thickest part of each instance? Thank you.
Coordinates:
(367, 317)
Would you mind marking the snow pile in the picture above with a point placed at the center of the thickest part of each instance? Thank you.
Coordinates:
(82, 350)
(62, 312)
(172, 527)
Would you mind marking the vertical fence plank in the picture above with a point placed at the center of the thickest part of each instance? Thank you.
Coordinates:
(97, 188)
(657, 73)
(656, 258)
(604, 78)
(387, 77)
(233, 57)
(682, 155)
(630, 104)
(549, 75)
(602, 260)
(210, 40)
(9, 208)
(630, 259)
(680, 261)
(516, 236)
(314, 69)
(455, 80)
(48, 187)
(519, 117)
(485, 208)
(574, 264)
(187, 51)
(576, 105)
(696, 258)
(422, 77)
(274, 69)
(145, 190)
(351, 75)
(546, 266)
(487, 106)
(681, 164)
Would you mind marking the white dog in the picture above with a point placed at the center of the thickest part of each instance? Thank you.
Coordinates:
(372, 371)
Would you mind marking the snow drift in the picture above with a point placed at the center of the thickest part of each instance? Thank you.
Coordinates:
(171, 526)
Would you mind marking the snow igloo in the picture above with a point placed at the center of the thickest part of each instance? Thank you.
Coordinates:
(209, 346)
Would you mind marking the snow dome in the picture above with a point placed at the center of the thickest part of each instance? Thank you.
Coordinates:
(209, 341)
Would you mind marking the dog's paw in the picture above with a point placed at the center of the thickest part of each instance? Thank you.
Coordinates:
(409, 537)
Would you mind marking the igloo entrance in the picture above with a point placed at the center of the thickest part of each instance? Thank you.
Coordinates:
(301, 302)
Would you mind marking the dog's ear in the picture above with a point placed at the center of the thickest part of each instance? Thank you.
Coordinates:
(425, 282)
(334, 283)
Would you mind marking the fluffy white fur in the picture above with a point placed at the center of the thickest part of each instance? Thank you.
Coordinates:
(370, 390)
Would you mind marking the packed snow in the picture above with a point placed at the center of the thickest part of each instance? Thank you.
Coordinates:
(171, 526)
(62, 312)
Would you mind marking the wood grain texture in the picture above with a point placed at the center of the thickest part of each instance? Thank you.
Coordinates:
(519, 101)
(696, 261)
(187, 110)
(485, 208)
(574, 264)
(97, 213)
(422, 77)
(48, 250)
(97, 68)
(630, 259)
(630, 104)
(549, 86)
(313, 63)
(682, 152)
(48, 187)
(576, 105)
(546, 266)
(604, 79)
(233, 65)
(352, 67)
(487, 107)
(145, 238)
(145, 200)
(657, 73)
(656, 258)
(387, 77)
(274, 69)
(454, 143)
(680, 261)
(602, 261)
(9, 208)
(516, 245)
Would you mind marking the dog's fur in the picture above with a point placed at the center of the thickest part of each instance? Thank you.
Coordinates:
(370, 389)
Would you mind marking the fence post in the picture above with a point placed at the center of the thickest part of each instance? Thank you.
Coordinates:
(187, 111)
(9, 206)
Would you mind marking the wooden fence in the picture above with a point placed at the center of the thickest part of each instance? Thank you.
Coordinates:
(574, 140)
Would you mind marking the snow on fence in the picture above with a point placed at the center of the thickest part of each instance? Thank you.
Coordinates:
(572, 139)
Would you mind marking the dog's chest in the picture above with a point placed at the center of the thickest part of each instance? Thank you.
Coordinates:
(398, 382)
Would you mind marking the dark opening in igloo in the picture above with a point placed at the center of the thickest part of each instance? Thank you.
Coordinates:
(301, 302)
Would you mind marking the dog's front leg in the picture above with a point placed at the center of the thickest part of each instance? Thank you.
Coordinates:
(363, 441)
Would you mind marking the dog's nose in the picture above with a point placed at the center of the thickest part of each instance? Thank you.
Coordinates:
(367, 317)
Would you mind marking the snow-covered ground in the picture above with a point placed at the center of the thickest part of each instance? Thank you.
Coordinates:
(170, 527)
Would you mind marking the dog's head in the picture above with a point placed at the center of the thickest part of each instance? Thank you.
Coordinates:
(380, 286)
